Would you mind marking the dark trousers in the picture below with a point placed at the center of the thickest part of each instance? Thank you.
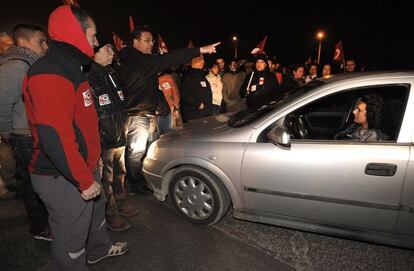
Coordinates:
(36, 211)
(78, 227)
(113, 177)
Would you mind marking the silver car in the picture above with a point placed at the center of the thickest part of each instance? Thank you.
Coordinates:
(281, 165)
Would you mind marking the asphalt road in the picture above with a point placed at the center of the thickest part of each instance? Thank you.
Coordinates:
(160, 240)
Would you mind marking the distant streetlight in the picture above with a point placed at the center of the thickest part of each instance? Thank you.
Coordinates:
(235, 46)
(320, 35)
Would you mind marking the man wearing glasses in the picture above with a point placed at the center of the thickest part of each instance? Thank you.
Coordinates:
(138, 72)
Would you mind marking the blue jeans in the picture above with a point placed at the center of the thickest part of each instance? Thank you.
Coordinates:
(36, 210)
(138, 131)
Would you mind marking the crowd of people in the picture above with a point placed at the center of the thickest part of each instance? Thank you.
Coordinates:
(76, 118)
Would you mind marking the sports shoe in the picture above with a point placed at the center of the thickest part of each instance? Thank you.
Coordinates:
(117, 249)
(44, 235)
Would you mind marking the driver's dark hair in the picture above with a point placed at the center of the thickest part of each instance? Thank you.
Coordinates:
(374, 110)
(81, 16)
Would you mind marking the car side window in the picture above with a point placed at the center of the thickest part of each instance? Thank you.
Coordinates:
(329, 116)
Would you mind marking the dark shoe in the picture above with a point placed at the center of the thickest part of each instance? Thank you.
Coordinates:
(44, 235)
(127, 211)
(140, 190)
(118, 225)
(116, 249)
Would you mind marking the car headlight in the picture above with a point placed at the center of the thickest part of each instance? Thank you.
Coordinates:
(152, 151)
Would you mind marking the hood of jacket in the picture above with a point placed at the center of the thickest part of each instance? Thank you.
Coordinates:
(64, 27)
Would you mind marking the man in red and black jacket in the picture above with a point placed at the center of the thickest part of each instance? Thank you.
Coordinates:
(64, 125)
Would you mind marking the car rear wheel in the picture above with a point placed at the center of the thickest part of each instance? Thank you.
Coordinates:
(198, 196)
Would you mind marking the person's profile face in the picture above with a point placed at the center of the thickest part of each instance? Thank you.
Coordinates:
(105, 55)
(144, 43)
(36, 43)
(91, 34)
(360, 113)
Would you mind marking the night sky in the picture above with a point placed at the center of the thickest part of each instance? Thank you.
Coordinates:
(379, 34)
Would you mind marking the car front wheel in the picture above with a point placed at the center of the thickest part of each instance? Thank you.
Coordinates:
(198, 196)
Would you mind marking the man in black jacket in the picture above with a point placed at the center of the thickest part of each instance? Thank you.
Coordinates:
(196, 96)
(138, 73)
(109, 102)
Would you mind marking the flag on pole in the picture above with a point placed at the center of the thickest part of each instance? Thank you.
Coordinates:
(339, 52)
(190, 44)
(162, 47)
(119, 43)
(131, 24)
(259, 49)
(71, 2)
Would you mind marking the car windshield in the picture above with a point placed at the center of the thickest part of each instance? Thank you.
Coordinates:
(249, 115)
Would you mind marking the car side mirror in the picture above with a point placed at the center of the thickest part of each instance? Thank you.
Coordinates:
(279, 136)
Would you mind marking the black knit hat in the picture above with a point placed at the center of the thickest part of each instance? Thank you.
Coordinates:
(262, 57)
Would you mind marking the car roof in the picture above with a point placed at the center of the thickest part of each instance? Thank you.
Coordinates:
(366, 75)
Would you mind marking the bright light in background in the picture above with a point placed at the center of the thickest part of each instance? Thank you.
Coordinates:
(320, 35)
(234, 38)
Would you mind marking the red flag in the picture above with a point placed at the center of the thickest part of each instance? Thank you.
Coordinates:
(190, 44)
(259, 49)
(71, 2)
(339, 52)
(131, 24)
(162, 47)
(119, 43)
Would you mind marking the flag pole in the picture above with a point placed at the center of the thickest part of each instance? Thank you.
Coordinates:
(250, 81)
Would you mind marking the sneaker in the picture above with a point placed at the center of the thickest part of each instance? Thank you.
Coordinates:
(127, 211)
(44, 235)
(117, 249)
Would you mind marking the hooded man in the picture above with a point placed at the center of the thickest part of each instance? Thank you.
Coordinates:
(260, 86)
(64, 125)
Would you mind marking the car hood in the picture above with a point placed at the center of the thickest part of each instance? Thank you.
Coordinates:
(213, 125)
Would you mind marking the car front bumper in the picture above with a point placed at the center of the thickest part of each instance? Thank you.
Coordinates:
(154, 180)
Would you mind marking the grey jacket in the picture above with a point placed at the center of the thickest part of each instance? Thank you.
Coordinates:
(13, 67)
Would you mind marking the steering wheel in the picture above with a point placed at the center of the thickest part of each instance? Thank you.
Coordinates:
(302, 131)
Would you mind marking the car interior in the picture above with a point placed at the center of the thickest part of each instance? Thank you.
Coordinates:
(324, 118)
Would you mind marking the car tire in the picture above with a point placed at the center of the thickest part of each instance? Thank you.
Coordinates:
(198, 196)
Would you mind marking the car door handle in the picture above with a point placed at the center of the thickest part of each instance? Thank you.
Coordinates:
(380, 169)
